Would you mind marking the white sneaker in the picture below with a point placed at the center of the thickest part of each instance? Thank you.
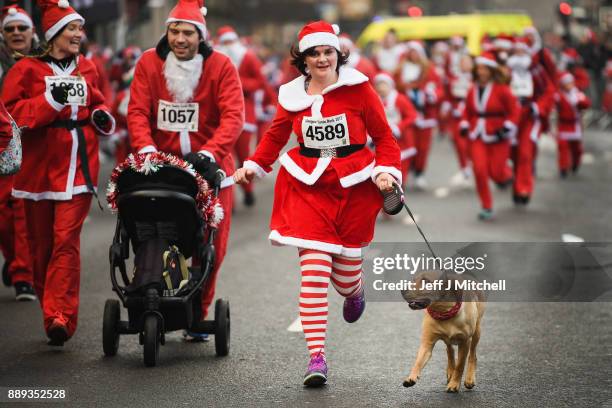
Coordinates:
(420, 183)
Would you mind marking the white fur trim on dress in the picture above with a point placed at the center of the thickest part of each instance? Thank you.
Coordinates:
(293, 97)
(148, 149)
(319, 39)
(52, 195)
(278, 239)
(259, 171)
(64, 21)
(112, 119)
(396, 173)
(357, 177)
(296, 171)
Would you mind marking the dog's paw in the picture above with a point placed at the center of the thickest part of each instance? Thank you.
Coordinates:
(452, 387)
(409, 382)
(469, 385)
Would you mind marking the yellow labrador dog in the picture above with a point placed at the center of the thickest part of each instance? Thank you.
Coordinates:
(454, 317)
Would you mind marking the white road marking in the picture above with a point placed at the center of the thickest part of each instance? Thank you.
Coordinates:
(296, 326)
(441, 192)
(571, 238)
(588, 158)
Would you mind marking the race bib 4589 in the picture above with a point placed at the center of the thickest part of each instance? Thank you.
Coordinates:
(325, 133)
(176, 117)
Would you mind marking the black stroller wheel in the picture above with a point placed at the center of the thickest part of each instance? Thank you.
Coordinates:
(6, 279)
(151, 337)
(222, 327)
(110, 327)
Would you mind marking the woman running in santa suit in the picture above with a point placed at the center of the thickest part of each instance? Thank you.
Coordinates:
(56, 98)
(327, 193)
(491, 117)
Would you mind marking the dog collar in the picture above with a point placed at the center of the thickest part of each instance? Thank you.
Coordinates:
(449, 314)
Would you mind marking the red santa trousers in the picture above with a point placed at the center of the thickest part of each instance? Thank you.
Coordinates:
(422, 139)
(528, 133)
(54, 229)
(570, 153)
(489, 160)
(226, 196)
(13, 234)
(243, 151)
(461, 143)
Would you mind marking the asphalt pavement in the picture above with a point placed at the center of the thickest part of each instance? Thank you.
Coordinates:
(530, 354)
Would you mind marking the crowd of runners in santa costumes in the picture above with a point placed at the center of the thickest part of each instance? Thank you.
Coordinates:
(184, 72)
(327, 193)
(19, 40)
(55, 96)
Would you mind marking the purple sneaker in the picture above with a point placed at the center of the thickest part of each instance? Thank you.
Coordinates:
(354, 307)
(316, 375)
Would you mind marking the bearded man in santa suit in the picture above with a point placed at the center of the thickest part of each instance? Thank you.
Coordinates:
(183, 74)
(251, 76)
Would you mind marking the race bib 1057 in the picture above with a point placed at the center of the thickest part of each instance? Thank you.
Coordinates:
(176, 117)
(325, 133)
(77, 92)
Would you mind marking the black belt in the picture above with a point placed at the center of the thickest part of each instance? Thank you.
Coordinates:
(78, 125)
(342, 151)
(491, 114)
(69, 124)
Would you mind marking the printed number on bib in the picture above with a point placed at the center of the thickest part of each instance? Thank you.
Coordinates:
(522, 85)
(176, 117)
(325, 133)
(77, 92)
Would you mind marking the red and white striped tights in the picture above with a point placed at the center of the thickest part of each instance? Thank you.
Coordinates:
(318, 268)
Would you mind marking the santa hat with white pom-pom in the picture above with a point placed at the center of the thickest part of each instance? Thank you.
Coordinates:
(13, 13)
(319, 33)
(189, 11)
(56, 15)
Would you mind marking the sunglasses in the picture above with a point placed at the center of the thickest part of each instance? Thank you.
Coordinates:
(20, 28)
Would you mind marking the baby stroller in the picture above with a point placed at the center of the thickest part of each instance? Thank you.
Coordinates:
(164, 212)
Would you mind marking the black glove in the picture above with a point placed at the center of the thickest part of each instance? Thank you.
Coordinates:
(101, 119)
(463, 132)
(203, 165)
(60, 93)
(502, 134)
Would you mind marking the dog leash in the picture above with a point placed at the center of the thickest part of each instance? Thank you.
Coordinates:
(393, 203)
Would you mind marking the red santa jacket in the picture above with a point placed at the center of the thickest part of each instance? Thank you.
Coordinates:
(353, 102)
(569, 104)
(401, 116)
(425, 93)
(489, 111)
(458, 87)
(218, 96)
(51, 167)
(6, 129)
(252, 79)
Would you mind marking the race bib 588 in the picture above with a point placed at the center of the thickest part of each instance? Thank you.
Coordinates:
(77, 94)
(176, 117)
(325, 133)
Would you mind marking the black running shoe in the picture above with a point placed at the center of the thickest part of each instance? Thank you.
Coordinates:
(249, 199)
(24, 292)
(6, 279)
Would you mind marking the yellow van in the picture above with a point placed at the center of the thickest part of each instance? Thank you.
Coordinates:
(473, 27)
